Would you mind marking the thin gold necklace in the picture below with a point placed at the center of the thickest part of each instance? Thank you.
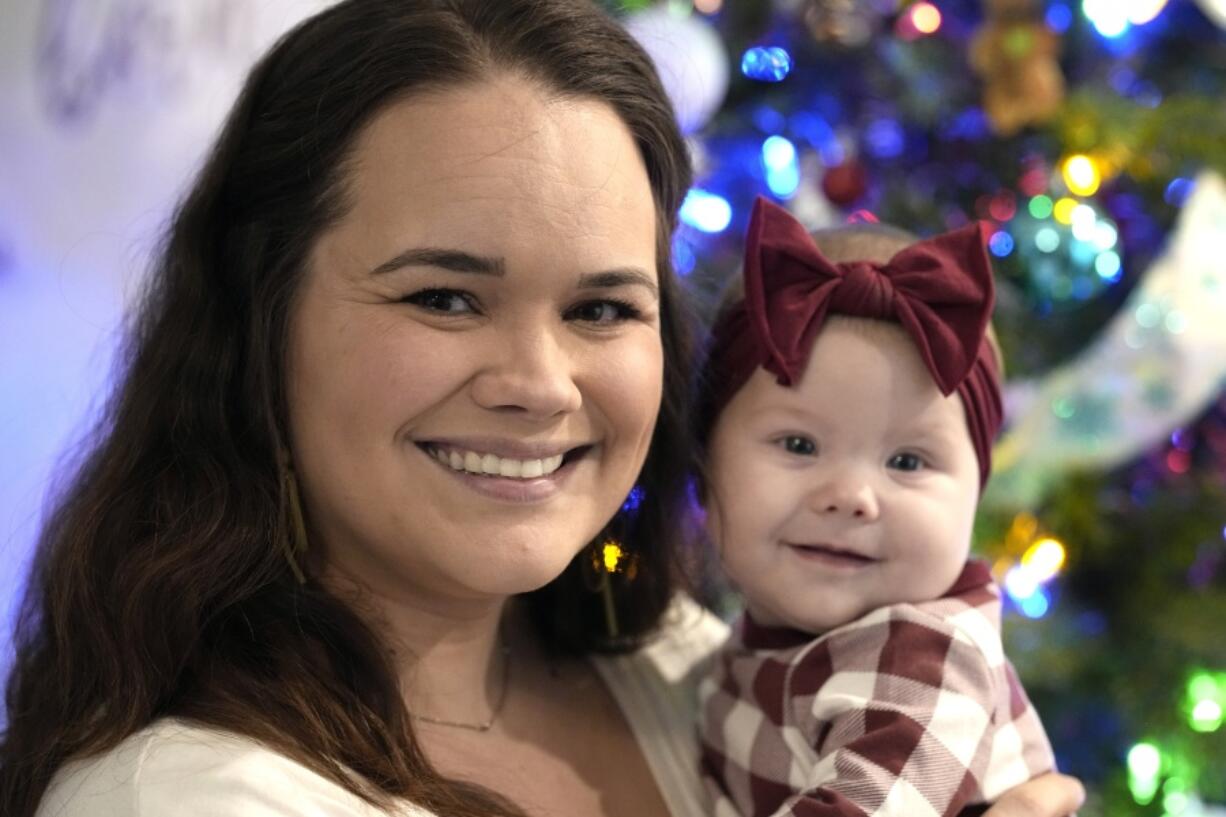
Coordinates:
(481, 726)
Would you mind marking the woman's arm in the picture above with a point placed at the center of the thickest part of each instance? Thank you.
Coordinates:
(1048, 795)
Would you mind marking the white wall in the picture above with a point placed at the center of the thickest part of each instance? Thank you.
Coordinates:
(106, 106)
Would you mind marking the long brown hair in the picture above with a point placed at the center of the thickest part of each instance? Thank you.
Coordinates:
(159, 586)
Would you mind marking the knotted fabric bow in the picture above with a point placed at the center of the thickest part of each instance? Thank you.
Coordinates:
(939, 290)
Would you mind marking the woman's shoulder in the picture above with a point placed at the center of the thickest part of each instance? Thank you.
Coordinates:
(177, 767)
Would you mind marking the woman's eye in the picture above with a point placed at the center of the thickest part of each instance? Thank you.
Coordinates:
(906, 462)
(796, 444)
(449, 301)
(604, 312)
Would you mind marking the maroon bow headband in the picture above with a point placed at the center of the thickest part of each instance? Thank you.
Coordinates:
(940, 291)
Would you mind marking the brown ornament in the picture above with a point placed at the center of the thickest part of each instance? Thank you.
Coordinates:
(844, 184)
(1016, 55)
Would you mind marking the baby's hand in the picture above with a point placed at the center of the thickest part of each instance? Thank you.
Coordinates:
(1049, 795)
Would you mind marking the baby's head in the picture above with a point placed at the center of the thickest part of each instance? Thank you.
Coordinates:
(844, 478)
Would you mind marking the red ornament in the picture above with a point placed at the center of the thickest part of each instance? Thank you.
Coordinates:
(844, 184)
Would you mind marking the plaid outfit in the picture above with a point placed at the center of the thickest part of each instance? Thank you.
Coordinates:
(911, 710)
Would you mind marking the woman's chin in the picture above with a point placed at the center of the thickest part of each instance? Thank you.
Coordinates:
(521, 578)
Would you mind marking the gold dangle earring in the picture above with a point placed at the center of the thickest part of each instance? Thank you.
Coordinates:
(294, 536)
(608, 555)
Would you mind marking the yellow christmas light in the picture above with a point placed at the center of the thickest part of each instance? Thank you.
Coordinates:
(926, 18)
(1044, 558)
(1081, 175)
(1063, 211)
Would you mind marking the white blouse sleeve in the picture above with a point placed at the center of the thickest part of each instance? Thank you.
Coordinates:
(173, 767)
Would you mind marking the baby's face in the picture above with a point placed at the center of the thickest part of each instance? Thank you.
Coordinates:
(855, 489)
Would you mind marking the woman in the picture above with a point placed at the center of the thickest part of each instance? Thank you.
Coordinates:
(412, 340)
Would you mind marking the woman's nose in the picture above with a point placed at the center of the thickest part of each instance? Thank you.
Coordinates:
(846, 495)
(530, 372)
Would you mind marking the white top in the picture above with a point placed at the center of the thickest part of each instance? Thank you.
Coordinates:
(175, 767)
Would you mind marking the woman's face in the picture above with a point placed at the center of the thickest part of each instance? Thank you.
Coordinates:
(487, 304)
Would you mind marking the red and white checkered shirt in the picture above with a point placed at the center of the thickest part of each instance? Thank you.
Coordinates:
(910, 711)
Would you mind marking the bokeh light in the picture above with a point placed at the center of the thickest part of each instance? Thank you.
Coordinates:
(1044, 558)
(1144, 768)
(1063, 210)
(1205, 700)
(1108, 266)
(1040, 207)
(705, 211)
(1141, 12)
(766, 64)
(782, 166)
(1110, 17)
(1059, 17)
(1000, 244)
(926, 18)
(1081, 175)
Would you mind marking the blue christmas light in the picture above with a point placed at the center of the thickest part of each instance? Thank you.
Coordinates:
(769, 120)
(778, 152)
(1108, 266)
(766, 64)
(783, 183)
(705, 211)
(1035, 605)
(1122, 78)
(782, 168)
(885, 138)
(1059, 17)
(971, 124)
(1178, 191)
(1024, 586)
(814, 129)
(1001, 244)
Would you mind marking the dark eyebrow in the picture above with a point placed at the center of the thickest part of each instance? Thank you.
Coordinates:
(454, 260)
(624, 276)
(460, 261)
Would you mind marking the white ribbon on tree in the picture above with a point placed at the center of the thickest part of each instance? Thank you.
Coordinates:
(1158, 364)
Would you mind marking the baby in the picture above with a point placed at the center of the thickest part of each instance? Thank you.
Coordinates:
(851, 397)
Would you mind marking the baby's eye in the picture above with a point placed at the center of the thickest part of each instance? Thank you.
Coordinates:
(906, 462)
(449, 301)
(796, 444)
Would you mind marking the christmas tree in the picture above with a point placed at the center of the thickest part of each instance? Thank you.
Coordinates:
(1091, 138)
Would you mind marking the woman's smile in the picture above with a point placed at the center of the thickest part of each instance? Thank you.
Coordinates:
(537, 473)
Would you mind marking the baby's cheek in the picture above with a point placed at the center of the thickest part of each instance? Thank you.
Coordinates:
(943, 534)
